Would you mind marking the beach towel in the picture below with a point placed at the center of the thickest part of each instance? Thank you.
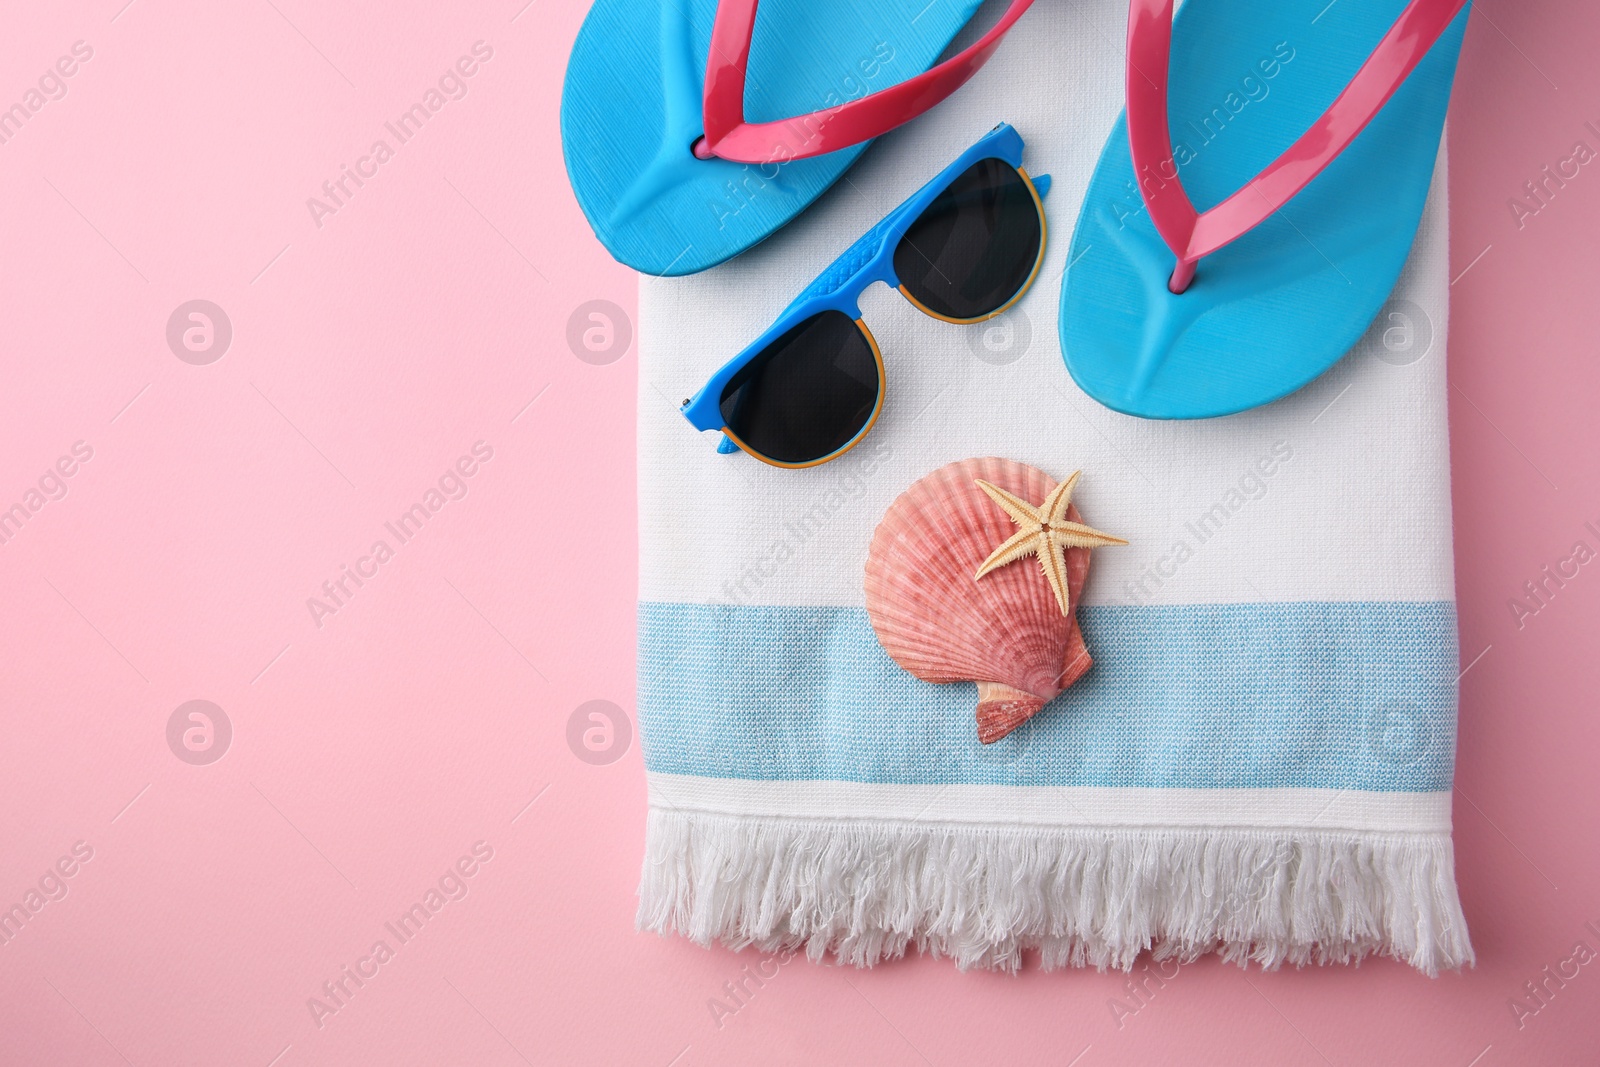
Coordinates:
(1259, 761)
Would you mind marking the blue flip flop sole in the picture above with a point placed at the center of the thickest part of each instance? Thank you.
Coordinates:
(631, 109)
(1275, 309)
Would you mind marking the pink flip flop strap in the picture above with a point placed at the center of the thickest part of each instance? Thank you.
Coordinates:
(729, 136)
(1191, 234)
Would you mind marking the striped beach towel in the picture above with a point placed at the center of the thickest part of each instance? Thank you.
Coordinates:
(1258, 763)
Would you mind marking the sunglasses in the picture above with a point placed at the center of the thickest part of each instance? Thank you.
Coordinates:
(963, 249)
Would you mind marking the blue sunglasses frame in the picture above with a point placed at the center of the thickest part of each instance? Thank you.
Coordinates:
(839, 288)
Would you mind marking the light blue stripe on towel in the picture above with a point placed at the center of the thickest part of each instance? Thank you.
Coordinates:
(1310, 695)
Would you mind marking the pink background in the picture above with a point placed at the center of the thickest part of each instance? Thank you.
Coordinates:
(432, 708)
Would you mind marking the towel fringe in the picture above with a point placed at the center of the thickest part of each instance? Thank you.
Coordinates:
(982, 895)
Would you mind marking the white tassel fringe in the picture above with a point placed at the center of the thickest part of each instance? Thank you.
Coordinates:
(863, 892)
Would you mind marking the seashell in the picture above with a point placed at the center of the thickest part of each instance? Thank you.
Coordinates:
(1006, 632)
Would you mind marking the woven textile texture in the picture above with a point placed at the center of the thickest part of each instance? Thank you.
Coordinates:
(1259, 762)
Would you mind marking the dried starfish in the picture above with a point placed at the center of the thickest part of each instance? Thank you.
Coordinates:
(1045, 532)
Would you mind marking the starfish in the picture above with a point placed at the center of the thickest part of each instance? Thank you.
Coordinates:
(1045, 532)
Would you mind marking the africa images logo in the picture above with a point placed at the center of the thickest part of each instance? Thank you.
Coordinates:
(50, 86)
(452, 886)
(337, 592)
(51, 486)
(337, 192)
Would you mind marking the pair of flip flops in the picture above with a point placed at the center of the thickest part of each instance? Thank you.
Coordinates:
(1247, 219)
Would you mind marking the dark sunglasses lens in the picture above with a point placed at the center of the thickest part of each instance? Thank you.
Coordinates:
(808, 394)
(974, 247)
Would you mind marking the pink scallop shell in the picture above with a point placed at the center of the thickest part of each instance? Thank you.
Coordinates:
(1005, 631)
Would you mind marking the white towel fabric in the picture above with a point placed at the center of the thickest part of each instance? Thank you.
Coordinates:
(1259, 762)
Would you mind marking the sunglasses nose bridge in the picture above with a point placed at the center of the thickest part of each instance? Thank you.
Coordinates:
(888, 275)
(884, 276)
